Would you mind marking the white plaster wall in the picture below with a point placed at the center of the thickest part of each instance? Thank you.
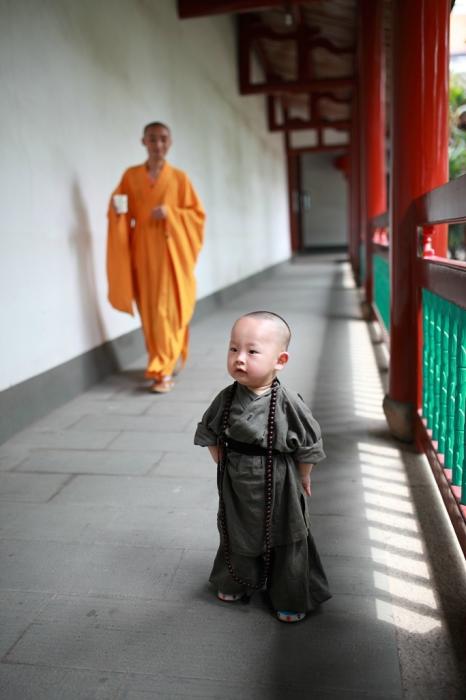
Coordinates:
(324, 223)
(79, 79)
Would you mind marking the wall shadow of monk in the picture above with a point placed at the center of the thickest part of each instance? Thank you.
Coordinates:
(104, 358)
(155, 234)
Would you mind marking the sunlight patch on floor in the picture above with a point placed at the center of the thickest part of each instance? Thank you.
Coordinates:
(383, 485)
(397, 547)
(383, 474)
(366, 383)
(401, 563)
(391, 519)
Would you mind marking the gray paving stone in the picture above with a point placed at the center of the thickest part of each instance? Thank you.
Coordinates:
(87, 569)
(203, 395)
(30, 488)
(165, 441)
(68, 439)
(337, 535)
(353, 576)
(11, 456)
(144, 492)
(54, 523)
(174, 528)
(17, 611)
(24, 682)
(197, 464)
(158, 640)
(191, 580)
(85, 405)
(184, 411)
(56, 421)
(366, 662)
(149, 424)
(342, 498)
(163, 688)
(134, 463)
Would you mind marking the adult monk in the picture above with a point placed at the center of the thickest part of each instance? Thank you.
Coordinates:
(152, 249)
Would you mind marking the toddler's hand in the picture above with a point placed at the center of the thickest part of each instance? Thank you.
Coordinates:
(306, 482)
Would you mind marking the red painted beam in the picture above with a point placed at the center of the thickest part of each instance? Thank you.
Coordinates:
(302, 34)
(295, 86)
(447, 278)
(202, 8)
(333, 98)
(444, 204)
(325, 148)
(300, 124)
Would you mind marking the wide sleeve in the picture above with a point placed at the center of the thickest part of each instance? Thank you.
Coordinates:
(209, 427)
(119, 274)
(185, 236)
(303, 437)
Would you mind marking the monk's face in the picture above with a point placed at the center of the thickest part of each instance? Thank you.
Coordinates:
(157, 140)
(256, 352)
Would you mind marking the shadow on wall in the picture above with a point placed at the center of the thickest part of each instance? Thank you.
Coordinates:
(93, 326)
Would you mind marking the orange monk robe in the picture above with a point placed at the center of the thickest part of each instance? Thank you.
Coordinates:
(152, 262)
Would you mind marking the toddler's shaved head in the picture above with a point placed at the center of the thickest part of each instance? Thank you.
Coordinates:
(283, 329)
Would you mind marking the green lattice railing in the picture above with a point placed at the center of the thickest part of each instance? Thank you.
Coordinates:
(381, 282)
(444, 382)
(362, 264)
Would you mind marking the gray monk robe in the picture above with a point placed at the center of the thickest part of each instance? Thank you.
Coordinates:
(297, 580)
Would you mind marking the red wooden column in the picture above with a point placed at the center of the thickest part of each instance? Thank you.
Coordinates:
(294, 187)
(419, 163)
(372, 120)
(354, 193)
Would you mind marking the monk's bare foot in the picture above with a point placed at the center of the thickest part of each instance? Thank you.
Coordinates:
(162, 386)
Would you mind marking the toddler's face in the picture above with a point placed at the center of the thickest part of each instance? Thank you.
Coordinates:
(255, 353)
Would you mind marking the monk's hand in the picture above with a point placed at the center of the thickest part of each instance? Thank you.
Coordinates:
(159, 213)
(306, 482)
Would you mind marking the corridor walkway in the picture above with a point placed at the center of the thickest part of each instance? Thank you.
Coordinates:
(108, 529)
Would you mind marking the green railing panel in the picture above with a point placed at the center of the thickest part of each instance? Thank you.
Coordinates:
(444, 381)
(362, 264)
(381, 285)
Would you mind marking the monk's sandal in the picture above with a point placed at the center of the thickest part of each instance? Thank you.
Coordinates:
(229, 597)
(162, 386)
(288, 616)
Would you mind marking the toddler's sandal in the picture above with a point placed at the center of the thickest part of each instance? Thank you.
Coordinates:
(229, 597)
(290, 616)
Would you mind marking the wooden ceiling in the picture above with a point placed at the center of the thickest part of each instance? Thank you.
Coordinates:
(302, 57)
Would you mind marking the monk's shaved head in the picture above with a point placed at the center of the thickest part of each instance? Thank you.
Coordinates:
(161, 125)
(283, 329)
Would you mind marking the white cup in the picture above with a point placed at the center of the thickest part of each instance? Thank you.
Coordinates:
(120, 202)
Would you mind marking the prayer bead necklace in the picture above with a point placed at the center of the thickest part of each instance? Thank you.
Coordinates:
(268, 490)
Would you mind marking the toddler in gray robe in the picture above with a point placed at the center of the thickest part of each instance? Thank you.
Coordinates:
(235, 429)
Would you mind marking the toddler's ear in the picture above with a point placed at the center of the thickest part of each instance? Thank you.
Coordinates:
(282, 360)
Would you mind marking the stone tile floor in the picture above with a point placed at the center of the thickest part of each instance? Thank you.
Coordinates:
(108, 530)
